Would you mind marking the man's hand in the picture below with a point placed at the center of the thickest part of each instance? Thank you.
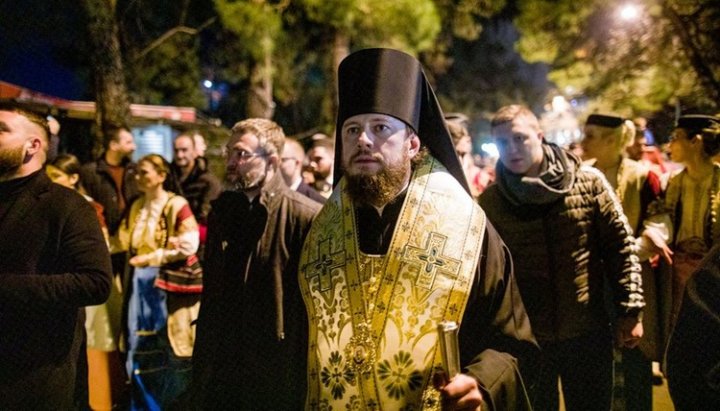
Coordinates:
(628, 331)
(461, 393)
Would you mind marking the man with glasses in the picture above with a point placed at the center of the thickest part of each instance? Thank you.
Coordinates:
(291, 166)
(251, 340)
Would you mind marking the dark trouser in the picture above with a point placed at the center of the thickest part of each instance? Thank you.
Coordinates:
(585, 368)
(637, 381)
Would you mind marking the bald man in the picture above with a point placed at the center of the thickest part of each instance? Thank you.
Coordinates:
(291, 165)
(54, 261)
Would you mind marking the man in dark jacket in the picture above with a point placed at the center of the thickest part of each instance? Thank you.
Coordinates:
(291, 165)
(251, 345)
(196, 182)
(570, 241)
(110, 180)
(54, 262)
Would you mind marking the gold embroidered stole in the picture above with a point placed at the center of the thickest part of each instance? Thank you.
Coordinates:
(373, 341)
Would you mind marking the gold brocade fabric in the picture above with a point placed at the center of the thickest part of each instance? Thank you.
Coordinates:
(373, 319)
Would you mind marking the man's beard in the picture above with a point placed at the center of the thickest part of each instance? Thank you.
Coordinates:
(244, 181)
(380, 188)
(11, 159)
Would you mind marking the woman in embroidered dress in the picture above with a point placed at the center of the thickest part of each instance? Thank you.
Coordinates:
(692, 197)
(160, 229)
(102, 322)
(638, 188)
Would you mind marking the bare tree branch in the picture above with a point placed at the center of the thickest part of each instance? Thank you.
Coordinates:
(179, 29)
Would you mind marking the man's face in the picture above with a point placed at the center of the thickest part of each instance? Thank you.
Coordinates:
(377, 153)
(372, 142)
(321, 162)
(185, 154)
(13, 139)
(636, 149)
(520, 145)
(246, 164)
(291, 162)
(124, 145)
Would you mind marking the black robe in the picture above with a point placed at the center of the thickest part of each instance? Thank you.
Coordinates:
(251, 346)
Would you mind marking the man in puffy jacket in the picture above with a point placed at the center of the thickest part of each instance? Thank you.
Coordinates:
(570, 242)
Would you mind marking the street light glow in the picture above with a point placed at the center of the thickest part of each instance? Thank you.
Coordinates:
(629, 12)
(207, 84)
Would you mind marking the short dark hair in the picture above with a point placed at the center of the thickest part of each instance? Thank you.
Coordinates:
(509, 113)
(112, 133)
(326, 143)
(32, 117)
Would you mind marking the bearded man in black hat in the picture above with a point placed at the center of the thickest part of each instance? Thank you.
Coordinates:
(400, 247)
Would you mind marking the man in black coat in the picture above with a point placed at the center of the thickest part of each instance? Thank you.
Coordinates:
(54, 262)
(251, 345)
(110, 180)
(195, 181)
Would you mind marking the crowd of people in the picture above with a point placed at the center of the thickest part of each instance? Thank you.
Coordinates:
(317, 279)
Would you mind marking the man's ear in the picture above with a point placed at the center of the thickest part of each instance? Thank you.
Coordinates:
(34, 145)
(414, 145)
(274, 161)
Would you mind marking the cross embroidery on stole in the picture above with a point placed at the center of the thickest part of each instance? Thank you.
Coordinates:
(326, 262)
(432, 260)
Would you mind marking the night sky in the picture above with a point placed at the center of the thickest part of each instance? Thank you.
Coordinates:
(35, 42)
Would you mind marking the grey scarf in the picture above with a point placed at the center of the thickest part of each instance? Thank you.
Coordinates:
(556, 178)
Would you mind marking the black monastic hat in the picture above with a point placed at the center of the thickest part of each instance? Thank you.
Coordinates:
(603, 120)
(697, 122)
(393, 83)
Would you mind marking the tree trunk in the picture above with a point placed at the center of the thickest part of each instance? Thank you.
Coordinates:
(340, 50)
(260, 92)
(112, 103)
